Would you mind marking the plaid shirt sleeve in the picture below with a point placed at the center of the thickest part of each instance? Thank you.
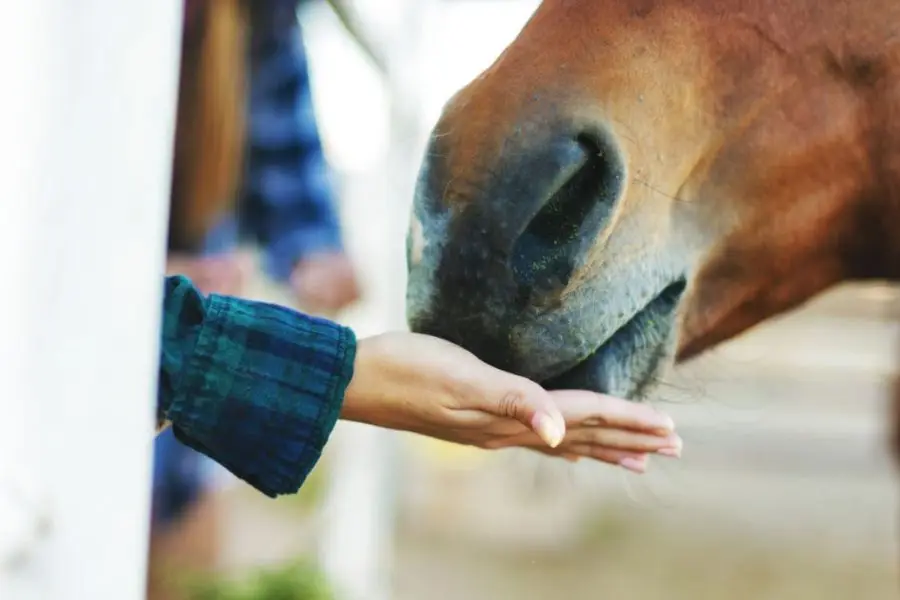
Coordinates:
(288, 203)
(255, 386)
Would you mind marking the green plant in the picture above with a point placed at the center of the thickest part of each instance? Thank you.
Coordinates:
(296, 581)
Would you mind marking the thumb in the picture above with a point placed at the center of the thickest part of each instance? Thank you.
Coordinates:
(534, 407)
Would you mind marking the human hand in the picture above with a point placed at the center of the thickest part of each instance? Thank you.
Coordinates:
(607, 429)
(325, 283)
(221, 274)
(426, 385)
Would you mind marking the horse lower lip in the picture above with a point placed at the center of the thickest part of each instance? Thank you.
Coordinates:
(651, 322)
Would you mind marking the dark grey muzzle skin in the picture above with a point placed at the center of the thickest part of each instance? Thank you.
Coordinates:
(495, 263)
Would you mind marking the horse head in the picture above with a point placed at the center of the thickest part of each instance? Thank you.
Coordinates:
(635, 181)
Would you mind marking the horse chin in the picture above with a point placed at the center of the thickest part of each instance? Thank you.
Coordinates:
(627, 364)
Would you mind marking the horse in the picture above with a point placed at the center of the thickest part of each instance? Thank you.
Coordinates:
(632, 182)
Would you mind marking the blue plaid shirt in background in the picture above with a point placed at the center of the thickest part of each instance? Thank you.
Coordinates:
(287, 205)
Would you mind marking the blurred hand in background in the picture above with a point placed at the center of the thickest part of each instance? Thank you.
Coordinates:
(325, 283)
(219, 274)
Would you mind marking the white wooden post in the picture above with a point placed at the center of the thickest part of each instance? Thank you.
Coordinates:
(87, 114)
(358, 541)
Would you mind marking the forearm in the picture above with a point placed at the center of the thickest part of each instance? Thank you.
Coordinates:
(255, 386)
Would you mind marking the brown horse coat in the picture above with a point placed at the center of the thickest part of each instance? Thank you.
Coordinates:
(634, 181)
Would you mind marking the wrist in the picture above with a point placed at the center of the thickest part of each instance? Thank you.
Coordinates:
(358, 405)
(375, 386)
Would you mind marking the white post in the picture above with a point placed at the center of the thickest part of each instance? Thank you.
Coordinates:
(87, 115)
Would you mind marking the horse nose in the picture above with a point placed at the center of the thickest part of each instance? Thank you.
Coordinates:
(506, 230)
(574, 184)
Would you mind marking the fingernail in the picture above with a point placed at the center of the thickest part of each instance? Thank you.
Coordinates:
(548, 430)
(674, 450)
(666, 424)
(635, 465)
(571, 457)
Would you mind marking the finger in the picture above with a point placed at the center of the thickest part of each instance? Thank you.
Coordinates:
(531, 405)
(632, 461)
(590, 408)
(620, 439)
(636, 463)
(496, 392)
(625, 440)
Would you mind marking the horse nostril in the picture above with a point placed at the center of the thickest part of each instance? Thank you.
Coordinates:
(544, 257)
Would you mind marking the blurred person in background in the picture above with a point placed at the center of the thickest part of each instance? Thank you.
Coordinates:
(247, 131)
(285, 199)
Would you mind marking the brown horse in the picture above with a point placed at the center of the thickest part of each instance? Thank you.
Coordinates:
(634, 181)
